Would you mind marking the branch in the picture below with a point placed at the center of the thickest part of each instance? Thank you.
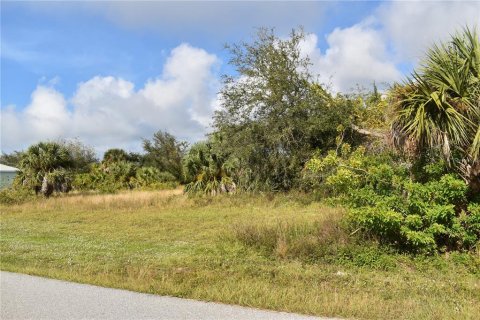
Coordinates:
(368, 132)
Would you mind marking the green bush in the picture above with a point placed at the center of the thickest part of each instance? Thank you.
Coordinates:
(419, 217)
(149, 177)
(106, 178)
(207, 170)
(388, 206)
(16, 195)
(109, 177)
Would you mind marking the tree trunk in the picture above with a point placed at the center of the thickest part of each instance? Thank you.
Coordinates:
(47, 188)
(474, 179)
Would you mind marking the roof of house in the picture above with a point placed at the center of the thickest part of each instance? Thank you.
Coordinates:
(5, 168)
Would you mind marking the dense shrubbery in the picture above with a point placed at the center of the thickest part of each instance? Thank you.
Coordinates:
(46, 167)
(388, 205)
(120, 175)
(58, 167)
(16, 195)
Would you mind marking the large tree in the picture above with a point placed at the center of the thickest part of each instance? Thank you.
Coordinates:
(273, 113)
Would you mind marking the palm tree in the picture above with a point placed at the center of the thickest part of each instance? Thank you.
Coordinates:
(43, 167)
(438, 108)
(208, 171)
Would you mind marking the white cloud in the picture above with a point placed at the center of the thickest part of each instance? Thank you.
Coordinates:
(396, 33)
(355, 56)
(108, 111)
(413, 26)
(45, 117)
(186, 79)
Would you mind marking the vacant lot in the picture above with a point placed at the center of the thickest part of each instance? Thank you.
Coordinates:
(165, 243)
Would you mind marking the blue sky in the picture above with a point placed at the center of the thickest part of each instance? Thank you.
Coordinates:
(110, 73)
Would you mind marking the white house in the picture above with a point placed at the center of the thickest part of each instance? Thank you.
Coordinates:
(7, 174)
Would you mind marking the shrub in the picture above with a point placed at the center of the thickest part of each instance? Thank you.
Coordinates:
(208, 171)
(388, 206)
(149, 177)
(110, 177)
(107, 177)
(16, 195)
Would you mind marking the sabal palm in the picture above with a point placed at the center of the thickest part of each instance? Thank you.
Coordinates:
(439, 106)
(43, 158)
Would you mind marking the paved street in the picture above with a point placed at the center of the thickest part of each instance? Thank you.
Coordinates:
(28, 297)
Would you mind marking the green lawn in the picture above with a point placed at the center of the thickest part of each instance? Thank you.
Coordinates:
(165, 243)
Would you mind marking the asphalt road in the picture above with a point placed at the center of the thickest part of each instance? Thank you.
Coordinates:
(28, 297)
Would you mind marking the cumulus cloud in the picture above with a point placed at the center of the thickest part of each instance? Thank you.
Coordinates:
(109, 111)
(396, 33)
(45, 116)
(355, 56)
(412, 26)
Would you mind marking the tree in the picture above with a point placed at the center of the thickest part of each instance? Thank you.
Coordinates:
(11, 159)
(207, 170)
(438, 107)
(165, 152)
(83, 156)
(273, 114)
(44, 168)
(115, 155)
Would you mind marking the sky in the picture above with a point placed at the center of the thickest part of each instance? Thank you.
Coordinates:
(110, 73)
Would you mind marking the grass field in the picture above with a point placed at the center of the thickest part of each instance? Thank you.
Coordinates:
(260, 251)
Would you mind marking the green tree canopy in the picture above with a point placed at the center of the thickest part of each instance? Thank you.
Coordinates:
(44, 167)
(118, 155)
(273, 113)
(115, 155)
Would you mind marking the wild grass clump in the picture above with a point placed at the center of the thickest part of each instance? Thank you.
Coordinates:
(328, 240)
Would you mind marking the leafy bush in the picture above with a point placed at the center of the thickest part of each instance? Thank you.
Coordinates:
(16, 195)
(110, 177)
(105, 177)
(153, 178)
(388, 206)
(44, 167)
